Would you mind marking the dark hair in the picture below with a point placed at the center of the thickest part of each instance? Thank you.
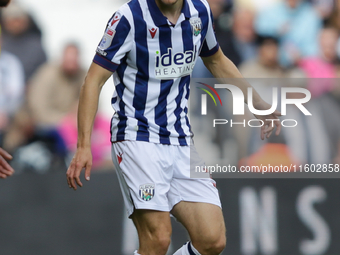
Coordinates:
(262, 39)
(4, 3)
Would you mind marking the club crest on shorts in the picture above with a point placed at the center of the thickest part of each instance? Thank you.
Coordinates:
(196, 25)
(147, 191)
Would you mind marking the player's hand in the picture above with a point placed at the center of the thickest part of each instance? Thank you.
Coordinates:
(82, 159)
(5, 169)
(270, 121)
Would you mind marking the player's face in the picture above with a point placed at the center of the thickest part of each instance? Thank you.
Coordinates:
(3, 3)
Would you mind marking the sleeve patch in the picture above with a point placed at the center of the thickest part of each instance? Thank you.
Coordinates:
(107, 39)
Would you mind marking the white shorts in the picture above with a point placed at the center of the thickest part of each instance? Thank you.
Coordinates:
(157, 176)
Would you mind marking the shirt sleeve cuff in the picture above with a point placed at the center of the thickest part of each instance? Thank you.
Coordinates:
(210, 52)
(105, 63)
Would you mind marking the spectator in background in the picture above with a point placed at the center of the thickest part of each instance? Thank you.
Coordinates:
(256, 5)
(323, 65)
(323, 7)
(5, 169)
(239, 43)
(22, 38)
(52, 93)
(334, 18)
(314, 140)
(236, 35)
(334, 21)
(266, 65)
(12, 87)
(55, 88)
(296, 24)
(334, 94)
(100, 140)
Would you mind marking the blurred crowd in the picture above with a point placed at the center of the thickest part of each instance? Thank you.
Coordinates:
(280, 43)
(39, 98)
(267, 38)
(274, 39)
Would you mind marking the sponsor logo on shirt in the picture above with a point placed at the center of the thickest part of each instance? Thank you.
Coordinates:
(153, 32)
(115, 19)
(170, 65)
(101, 52)
(110, 32)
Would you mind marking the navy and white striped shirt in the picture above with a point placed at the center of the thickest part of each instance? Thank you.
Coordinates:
(152, 60)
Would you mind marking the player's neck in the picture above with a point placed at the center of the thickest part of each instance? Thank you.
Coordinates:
(170, 9)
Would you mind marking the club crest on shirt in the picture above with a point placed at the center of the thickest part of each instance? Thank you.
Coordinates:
(147, 191)
(196, 25)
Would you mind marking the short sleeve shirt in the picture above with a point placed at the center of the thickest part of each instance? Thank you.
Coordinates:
(152, 60)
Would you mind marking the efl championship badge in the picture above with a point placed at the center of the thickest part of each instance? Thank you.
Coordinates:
(147, 191)
(196, 26)
(107, 39)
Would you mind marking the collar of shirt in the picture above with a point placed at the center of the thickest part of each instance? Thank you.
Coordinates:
(159, 19)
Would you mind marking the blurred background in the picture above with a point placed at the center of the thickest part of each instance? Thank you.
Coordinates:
(46, 48)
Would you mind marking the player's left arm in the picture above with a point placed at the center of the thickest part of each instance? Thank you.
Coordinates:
(223, 68)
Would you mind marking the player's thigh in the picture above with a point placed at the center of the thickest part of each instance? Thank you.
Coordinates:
(153, 227)
(203, 221)
(144, 174)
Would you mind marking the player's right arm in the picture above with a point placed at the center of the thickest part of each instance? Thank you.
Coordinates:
(115, 44)
(87, 109)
